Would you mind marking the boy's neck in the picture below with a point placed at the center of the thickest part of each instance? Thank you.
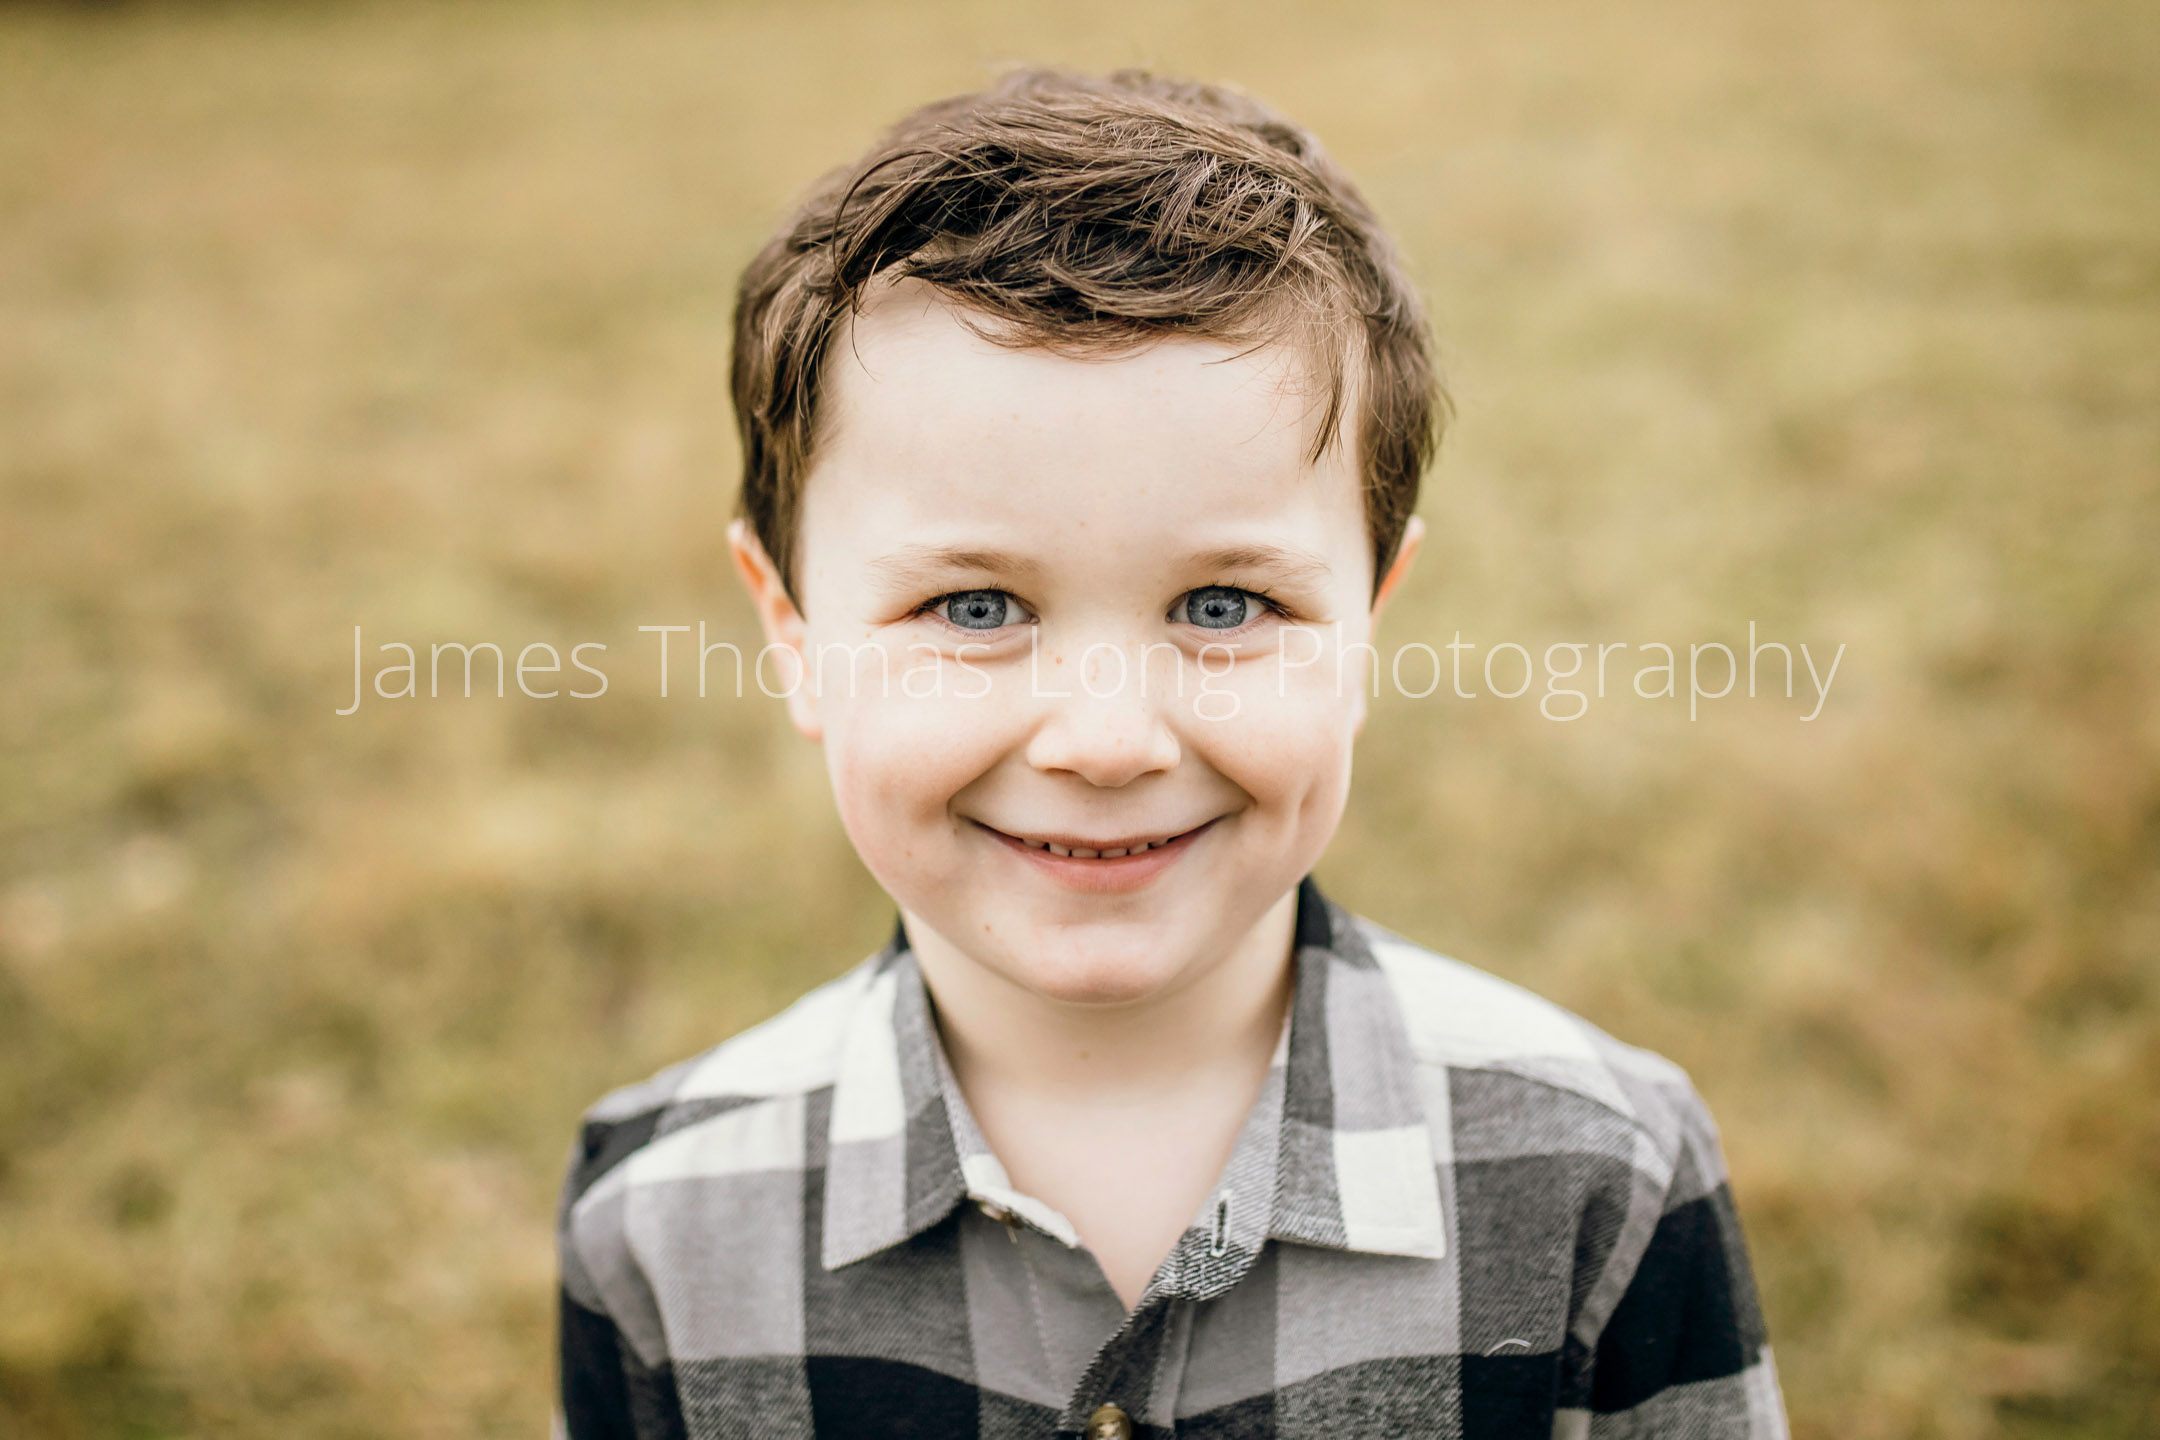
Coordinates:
(1002, 1036)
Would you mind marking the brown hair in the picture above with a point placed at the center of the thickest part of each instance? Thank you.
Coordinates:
(1091, 216)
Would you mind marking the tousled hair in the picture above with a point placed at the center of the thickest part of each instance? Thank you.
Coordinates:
(1093, 216)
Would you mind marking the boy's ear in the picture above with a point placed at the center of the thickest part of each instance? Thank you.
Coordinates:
(1413, 535)
(781, 621)
(1405, 552)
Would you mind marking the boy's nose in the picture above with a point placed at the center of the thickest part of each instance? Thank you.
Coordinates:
(1108, 743)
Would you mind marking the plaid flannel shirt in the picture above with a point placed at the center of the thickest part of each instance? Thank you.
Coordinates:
(1455, 1210)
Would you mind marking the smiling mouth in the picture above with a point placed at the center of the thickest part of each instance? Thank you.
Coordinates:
(1072, 848)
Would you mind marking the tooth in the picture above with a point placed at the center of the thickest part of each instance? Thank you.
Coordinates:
(1056, 849)
(1084, 855)
(1116, 854)
(1035, 844)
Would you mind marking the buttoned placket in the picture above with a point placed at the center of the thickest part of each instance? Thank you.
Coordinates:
(1135, 1375)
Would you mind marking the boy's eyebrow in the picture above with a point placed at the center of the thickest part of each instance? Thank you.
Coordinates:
(1279, 563)
(918, 564)
(914, 565)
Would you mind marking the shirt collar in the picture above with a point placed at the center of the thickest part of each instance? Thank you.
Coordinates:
(1334, 1153)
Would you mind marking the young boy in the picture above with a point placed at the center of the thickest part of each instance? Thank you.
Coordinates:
(1082, 423)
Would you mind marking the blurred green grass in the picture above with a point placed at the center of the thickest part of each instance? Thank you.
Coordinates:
(1838, 318)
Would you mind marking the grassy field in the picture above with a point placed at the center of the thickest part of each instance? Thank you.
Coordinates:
(1838, 318)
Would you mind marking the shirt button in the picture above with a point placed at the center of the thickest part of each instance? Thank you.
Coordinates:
(1109, 1423)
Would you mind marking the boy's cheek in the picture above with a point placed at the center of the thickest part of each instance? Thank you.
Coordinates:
(1288, 735)
(1272, 713)
(899, 760)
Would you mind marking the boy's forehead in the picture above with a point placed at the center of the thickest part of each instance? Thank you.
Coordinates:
(915, 362)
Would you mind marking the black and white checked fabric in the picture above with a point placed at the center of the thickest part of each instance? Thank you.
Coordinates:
(1456, 1210)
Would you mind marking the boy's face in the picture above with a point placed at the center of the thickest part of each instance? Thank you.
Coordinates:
(1011, 563)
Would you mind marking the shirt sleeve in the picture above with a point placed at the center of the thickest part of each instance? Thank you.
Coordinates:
(1685, 1352)
(595, 1398)
(606, 1389)
(593, 1401)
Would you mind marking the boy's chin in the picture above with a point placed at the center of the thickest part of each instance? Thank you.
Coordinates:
(1108, 976)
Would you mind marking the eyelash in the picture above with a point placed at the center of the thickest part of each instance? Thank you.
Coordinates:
(1267, 602)
(929, 607)
(1272, 605)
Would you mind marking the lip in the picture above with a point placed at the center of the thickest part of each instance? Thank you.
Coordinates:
(1115, 874)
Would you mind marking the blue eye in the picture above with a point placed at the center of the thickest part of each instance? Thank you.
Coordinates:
(978, 609)
(1214, 607)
